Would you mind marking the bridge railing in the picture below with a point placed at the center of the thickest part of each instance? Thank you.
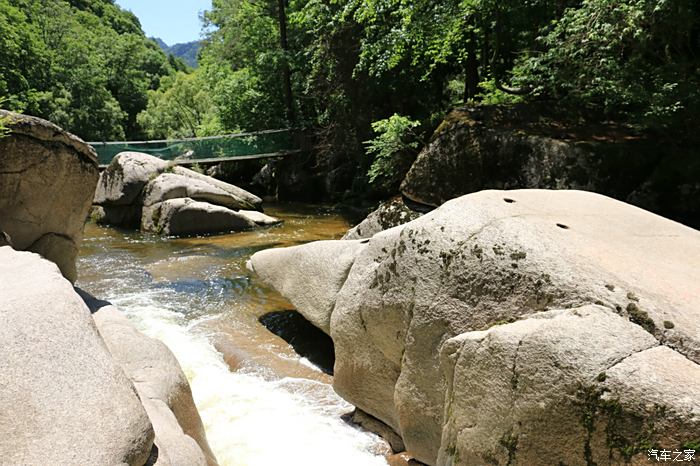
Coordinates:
(260, 144)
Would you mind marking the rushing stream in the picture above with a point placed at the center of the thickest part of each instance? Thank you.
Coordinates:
(260, 402)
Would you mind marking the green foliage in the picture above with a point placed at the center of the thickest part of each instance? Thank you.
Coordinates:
(180, 108)
(632, 59)
(4, 130)
(241, 64)
(83, 64)
(396, 140)
(86, 65)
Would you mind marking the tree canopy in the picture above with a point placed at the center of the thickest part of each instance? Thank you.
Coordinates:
(335, 67)
(83, 64)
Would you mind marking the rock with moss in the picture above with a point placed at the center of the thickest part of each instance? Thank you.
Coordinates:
(491, 259)
(389, 214)
(526, 146)
(582, 385)
(47, 179)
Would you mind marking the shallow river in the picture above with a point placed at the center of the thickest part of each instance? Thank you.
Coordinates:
(260, 402)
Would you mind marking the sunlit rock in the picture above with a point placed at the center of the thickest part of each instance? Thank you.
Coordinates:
(488, 259)
(63, 398)
(47, 180)
(389, 214)
(161, 386)
(141, 191)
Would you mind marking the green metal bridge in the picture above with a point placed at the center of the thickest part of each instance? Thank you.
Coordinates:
(214, 149)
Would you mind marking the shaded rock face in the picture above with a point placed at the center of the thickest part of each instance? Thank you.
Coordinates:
(389, 214)
(502, 148)
(506, 323)
(47, 180)
(141, 191)
(63, 399)
(307, 340)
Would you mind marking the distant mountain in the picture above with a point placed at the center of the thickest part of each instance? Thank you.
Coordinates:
(187, 51)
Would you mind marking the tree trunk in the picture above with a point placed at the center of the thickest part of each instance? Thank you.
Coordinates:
(286, 74)
(471, 69)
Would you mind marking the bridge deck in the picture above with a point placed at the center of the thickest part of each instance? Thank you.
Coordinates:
(235, 158)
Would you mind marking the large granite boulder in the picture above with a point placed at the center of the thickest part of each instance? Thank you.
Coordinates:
(141, 191)
(63, 398)
(47, 180)
(582, 385)
(185, 216)
(125, 177)
(499, 147)
(161, 386)
(537, 270)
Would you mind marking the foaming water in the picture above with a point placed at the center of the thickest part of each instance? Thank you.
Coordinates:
(184, 292)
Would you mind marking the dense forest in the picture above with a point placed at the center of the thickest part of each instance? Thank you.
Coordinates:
(349, 71)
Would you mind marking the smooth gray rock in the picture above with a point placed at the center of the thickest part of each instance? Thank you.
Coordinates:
(162, 388)
(47, 179)
(123, 180)
(483, 259)
(260, 219)
(139, 190)
(173, 186)
(328, 262)
(184, 216)
(518, 390)
(63, 399)
(249, 201)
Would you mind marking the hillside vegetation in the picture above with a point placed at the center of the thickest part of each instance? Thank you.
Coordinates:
(83, 64)
(352, 71)
(187, 51)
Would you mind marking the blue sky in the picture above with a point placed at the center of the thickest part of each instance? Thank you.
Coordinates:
(174, 21)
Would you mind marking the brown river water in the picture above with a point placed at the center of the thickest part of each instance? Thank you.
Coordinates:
(261, 403)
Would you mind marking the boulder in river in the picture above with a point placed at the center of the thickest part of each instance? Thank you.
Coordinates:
(515, 147)
(141, 191)
(47, 179)
(86, 389)
(505, 324)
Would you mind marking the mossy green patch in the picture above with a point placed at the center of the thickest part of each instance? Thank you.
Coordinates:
(640, 317)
